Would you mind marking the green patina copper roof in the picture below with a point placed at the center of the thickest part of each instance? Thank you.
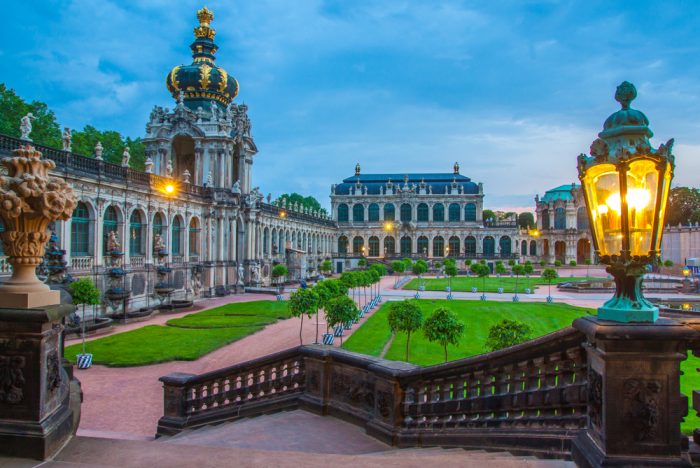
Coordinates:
(563, 192)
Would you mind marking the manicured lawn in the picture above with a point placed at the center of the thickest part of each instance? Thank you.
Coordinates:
(478, 316)
(184, 339)
(466, 283)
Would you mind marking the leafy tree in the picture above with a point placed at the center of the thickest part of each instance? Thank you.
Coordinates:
(467, 262)
(527, 268)
(557, 263)
(542, 263)
(45, 128)
(518, 270)
(303, 301)
(482, 271)
(326, 266)
(450, 271)
(409, 264)
(419, 268)
(379, 268)
(588, 266)
(340, 310)
(511, 262)
(444, 327)
(526, 220)
(507, 333)
(549, 274)
(362, 262)
(500, 268)
(398, 267)
(305, 202)
(349, 280)
(328, 289)
(405, 316)
(84, 292)
(278, 271)
(572, 263)
(683, 206)
(488, 215)
(374, 278)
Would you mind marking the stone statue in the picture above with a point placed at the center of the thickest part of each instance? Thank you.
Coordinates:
(180, 100)
(210, 180)
(66, 139)
(98, 151)
(241, 272)
(113, 244)
(186, 176)
(126, 157)
(269, 198)
(200, 114)
(148, 165)
(25, 126)
(158, 244)
(255, 273)
(169, 169)
(236, 187)
(229, 113)
(214, 111)
(242, 124)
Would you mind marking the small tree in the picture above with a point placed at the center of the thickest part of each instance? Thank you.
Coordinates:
(278, 271)
(339, 311)
(84, 292)
(444, 327)
(549, 274)
(408, 264)
(518, 270)
(348, 279)
(362, 263)
(542, 263)
(327, 267)
(528, 269)
(557, 263)
(573, 263)
(450, 271)
(398, 267)
(507, 333)
(327, 290)
(588, 267)
(483, 273)
(303, 301)
(419, 268)
(511, 262)
(405, 316)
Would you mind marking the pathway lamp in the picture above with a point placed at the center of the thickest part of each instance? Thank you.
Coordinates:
(626, 185)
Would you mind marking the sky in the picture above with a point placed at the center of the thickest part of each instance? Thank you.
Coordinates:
(512, 90)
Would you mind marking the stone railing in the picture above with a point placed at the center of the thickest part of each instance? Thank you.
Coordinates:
(178, 259)
(5, 266)
(81, 263)
(194, 258)
(137, 261)
(531, 397)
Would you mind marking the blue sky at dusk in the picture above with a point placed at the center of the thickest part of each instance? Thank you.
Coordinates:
(511, 90)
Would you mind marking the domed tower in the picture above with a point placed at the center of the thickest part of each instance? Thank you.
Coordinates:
(203, 82)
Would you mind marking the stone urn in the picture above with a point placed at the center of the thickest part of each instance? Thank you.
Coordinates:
(30, 199)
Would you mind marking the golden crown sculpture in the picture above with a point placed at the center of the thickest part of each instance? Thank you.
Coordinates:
(205, 17)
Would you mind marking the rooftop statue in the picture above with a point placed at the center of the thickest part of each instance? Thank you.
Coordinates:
(25, 126)
(126, 157)
(66, 139)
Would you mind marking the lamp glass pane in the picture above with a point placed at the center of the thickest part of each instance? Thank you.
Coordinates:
(642, 188)
(602, 185)
(664, 191)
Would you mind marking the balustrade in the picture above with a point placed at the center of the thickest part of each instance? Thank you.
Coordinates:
(81, 263)
(137, 261)
(178, 259)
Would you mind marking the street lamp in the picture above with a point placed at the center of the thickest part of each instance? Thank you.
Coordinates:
(625, 185)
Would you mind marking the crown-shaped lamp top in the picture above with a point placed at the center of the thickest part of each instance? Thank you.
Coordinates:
(204, 30)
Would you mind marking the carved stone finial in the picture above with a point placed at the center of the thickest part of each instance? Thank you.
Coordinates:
(98, 151)
(30, 199)
(148, 165)
(186, 176)
(625, 94)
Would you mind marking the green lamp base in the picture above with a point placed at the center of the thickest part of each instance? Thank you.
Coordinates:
(628, 304)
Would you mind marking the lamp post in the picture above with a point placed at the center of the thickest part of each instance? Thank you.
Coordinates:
(625, 185)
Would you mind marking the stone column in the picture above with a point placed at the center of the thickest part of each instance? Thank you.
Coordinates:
(635, 404)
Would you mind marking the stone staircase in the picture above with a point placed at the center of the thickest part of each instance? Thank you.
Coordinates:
(293, 439)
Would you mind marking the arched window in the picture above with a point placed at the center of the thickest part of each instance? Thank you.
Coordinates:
(177, 237)
(423, 215)
(439, 212)
(470, 246)
(523, 248)
(405, 213)
(438, 246)
(342, 213)
(111, 221)
(423, 245)
(489, 246)
(389, 245)
(79, 231)
(373, 246)
(454, 245)
(136, 234)
(358, 212)
(545, 219)
(533, 248)
(470, 212)
(506, 246)
(373, 212)
(582, 219)
(389, 212)
(194, 236)
(357, 244)
(454, 213)
(266, 241)
(559, 218)
(158, 224)
(343, 245)
(406, 245)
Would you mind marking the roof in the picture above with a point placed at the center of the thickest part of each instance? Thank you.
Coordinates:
(563, 192)
(436, 181)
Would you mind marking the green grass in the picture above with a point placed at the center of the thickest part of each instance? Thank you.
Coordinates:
(478, 316)
(183, 339)
(466, 283)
